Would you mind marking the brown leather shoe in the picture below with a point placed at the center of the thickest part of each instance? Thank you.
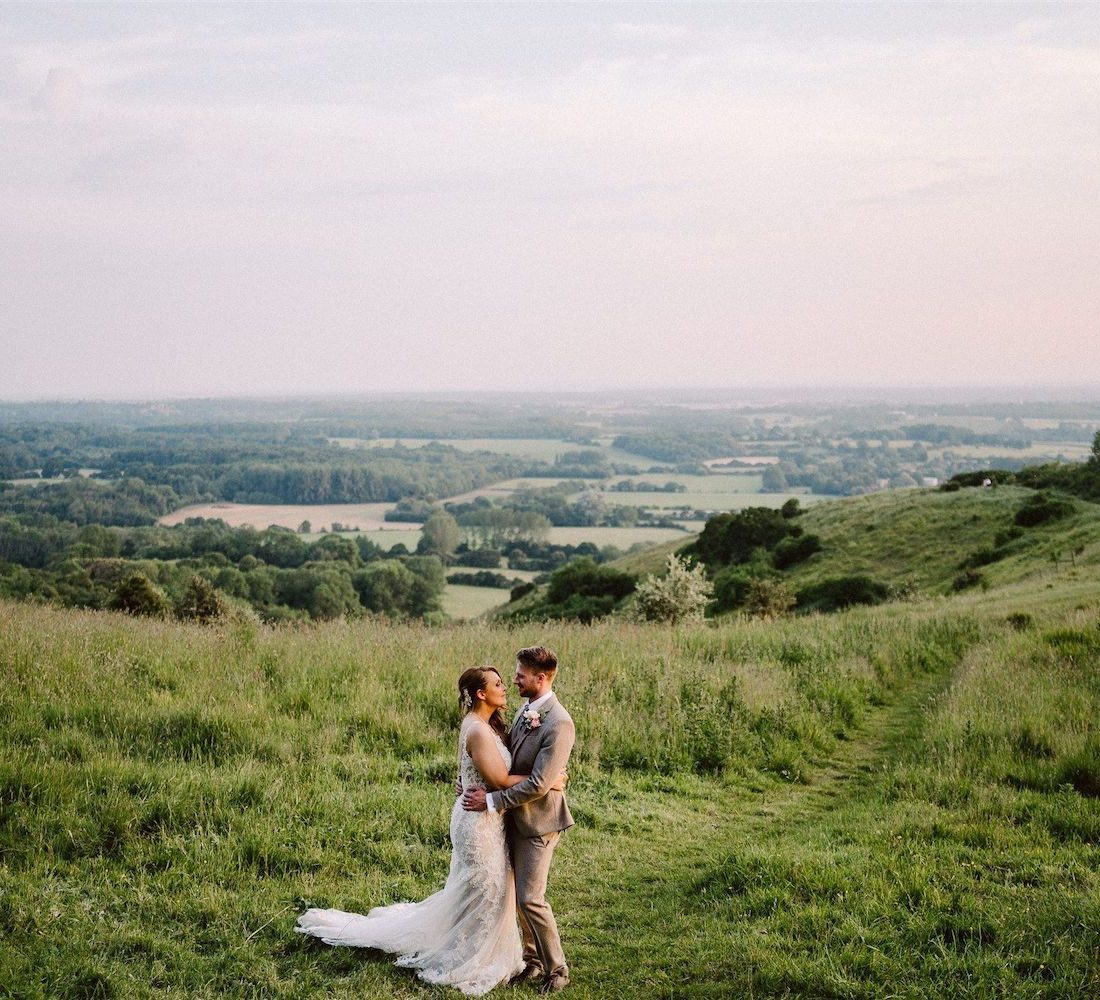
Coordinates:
(529, 974)
(554, 984)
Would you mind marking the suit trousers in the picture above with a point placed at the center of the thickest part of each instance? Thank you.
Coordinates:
(531, 857)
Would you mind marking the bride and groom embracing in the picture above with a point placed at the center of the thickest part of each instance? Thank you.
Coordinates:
(504, 828)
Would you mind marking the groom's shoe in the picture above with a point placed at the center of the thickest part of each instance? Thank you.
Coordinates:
(554, 983)
(529, 974)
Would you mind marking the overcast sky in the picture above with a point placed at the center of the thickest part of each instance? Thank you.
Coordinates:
(251, 198)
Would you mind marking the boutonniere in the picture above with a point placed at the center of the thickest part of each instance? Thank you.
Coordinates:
(533, 718)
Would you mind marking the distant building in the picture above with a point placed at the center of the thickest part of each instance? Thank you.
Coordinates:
(929, 481)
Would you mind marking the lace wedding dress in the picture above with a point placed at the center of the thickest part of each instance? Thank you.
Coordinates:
(465, 935)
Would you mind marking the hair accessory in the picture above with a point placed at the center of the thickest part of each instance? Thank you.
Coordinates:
(467, 700)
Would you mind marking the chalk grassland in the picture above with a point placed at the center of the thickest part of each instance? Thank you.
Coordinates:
(924, 538)
(891, 802)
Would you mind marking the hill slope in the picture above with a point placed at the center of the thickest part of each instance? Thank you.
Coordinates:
(763, 809)
(925, 538)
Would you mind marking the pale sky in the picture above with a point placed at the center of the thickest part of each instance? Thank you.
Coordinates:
(249, 198)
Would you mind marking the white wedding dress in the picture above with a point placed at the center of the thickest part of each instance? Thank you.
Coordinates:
(465, 935)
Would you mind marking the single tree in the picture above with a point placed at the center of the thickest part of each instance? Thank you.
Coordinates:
(440, 535)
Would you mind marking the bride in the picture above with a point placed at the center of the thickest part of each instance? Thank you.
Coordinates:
(465, 935)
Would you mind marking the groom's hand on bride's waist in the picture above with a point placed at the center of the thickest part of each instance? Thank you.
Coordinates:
(474, 800)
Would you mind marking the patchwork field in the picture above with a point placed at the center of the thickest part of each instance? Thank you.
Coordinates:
(366, 516)
(622, 538)
(720, 492)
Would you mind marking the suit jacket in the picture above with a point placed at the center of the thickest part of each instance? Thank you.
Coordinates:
(532, 808)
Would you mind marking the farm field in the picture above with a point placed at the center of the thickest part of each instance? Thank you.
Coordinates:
(720, 492)
(623, 538)
(1074, 451)
(896, 801)
(366, 516)
(504, 488)
(461, 602)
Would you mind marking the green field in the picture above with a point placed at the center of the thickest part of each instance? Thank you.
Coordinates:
(622, 538)
(1073, 451)
(461, 602)
(891, 802)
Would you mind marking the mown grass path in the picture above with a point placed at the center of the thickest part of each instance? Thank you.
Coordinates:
(642, 923)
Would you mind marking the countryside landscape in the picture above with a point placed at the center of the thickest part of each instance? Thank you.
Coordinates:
(849, 750)
(744, 354)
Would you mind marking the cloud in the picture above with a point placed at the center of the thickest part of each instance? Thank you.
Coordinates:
(62, 95)
(652, 31)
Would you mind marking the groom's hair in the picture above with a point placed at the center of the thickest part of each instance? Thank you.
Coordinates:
(539, 659)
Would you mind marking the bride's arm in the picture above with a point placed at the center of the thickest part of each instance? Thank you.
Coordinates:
(487, 759)
(490, 764)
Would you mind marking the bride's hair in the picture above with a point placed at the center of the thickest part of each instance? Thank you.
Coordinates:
(472, 681)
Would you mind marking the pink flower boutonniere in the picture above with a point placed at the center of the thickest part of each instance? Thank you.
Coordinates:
(533, 718)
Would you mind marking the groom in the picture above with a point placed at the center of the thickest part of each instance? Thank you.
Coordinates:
(535, 812)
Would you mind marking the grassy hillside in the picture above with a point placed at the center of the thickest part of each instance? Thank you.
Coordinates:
(923, 537)
(900, 800)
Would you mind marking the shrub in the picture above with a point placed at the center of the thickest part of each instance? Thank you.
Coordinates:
(522, 590)
(584, 578)
(768, 597)
(966, 579)
(842, 592)
(1042, 508)
(138, 595)
(977, 478)
(731, 586)
(478, 558)
(793, 550)
(982, 557)
(680, 595)
(200, 601)
(735, 537)
(792, 508)
(482, 578)
(580, 591)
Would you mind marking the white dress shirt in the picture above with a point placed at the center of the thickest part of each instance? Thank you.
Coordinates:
(536, 705)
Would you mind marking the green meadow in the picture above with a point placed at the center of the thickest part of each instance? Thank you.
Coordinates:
(462, 601)
(901, 801)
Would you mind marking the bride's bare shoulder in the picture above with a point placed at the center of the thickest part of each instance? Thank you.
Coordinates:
(474, 728)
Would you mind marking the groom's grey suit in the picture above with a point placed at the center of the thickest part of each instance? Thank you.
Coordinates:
(535, 815)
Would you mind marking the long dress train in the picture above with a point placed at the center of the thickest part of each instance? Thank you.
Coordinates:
(465, 935)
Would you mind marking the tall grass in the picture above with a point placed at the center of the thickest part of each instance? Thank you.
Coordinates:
(170, 796)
